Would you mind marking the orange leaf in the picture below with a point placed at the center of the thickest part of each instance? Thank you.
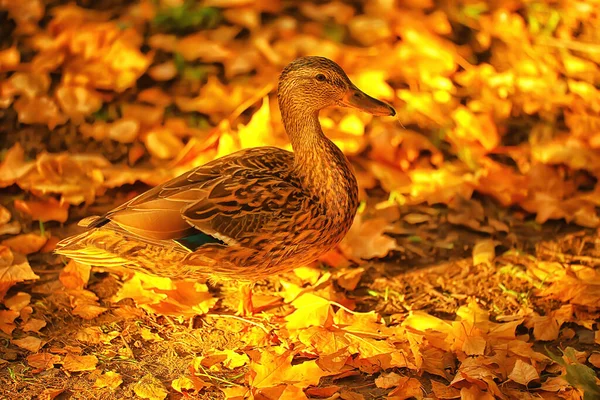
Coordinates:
(43, 361)
(76, 363)
(33, 325)
(14, 166)
(75, 275)
(523, 373)
(30, 343)
(26, 243)
(7, 319)
(4, 215)
(44, 210)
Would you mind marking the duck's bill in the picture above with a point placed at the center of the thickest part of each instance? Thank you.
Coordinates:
(356, 98)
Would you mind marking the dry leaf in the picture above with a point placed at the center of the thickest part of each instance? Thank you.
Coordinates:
(77, 363)
(109, 379)
(43, 361)
(44, 210)
(386, 381)
(26, 243)
(150, 388)
(30, 343)
(33, 325)
(523, 373)
(7, 319)
(75, 275)
(18, 301)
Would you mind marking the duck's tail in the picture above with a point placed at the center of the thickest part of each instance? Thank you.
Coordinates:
(107, 245)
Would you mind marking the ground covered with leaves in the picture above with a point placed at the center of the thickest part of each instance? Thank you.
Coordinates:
(472, 270)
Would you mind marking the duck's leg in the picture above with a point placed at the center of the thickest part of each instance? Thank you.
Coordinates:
(245, 308)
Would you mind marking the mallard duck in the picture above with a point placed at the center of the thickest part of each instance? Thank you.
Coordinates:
(251, 214)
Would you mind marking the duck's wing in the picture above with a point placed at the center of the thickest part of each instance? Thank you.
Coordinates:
(226, 201)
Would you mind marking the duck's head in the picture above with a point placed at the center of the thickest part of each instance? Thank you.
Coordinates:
(313, 83)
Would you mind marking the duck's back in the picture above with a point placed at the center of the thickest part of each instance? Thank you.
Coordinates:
(249, 199)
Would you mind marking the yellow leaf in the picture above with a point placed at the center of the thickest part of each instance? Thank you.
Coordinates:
(484, 252)
(150, 388)
(228, 358)
(188, 383)
(44, 210)
(77, 363)
(275, 369)
(523, 373)
(311, 310)
(109, 379)
(30, 343)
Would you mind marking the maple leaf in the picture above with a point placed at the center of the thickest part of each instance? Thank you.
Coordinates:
(272, 369)
(311, 310)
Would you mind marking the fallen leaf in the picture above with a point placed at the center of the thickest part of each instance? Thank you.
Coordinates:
(43, 361)
(30, 343)
(109, 379)
(150, 388)
(26, 243)
(77, 363)
(33, 325)
(75, 275)
(7, 319)
(523, 373)
(387, 380)
(4, 215)
(44, 210)
(18, 301)
(366, 239)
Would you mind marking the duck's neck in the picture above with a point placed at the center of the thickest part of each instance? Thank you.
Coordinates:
(320, 165)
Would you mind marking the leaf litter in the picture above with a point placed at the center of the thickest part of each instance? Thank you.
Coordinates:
(470, 272)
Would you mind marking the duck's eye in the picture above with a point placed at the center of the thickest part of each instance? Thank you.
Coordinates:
(320, 78)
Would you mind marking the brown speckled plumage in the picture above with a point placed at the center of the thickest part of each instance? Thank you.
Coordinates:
(267, 209)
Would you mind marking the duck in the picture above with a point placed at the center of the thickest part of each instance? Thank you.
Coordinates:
(249, 215)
